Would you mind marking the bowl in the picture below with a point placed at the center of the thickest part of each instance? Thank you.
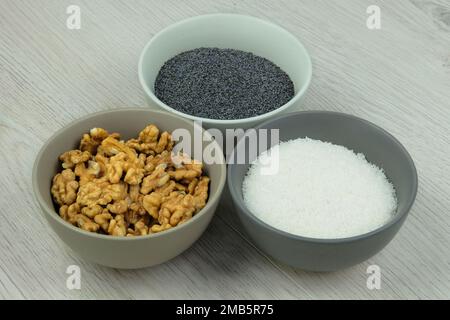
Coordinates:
(232, 31)
(357, 134)
(121, 252)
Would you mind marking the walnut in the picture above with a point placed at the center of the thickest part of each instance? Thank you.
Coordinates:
(90, 193)
(91, 212)
(68, 213)
(132, 217)
(137, 207)
(150, 142)
(102, 162)
(90, 142)
(130, 164)
(100, 192)
(201, 193)
(184, 174)
(111, 146)
(115, 167)
(135, 199)
(153, 161)
(157, 178)
(64, 188)
(85, 223)
(149, 167)
(180, 158)
(89, 173)
(71, 158)
(134, 176)
(63, 212)
(180, 187)
(117, 226)
(103, 219)
(159, 228)
(168, 207)
(152, 203)
(140, 228)
(133, 193)
(113, 192)
(118, 207)
(149, 134)
(186, 169)
(192, 185)
(179, 207)
(170, 186)
(142, 158)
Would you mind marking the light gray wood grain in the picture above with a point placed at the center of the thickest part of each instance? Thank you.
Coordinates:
(397, 77)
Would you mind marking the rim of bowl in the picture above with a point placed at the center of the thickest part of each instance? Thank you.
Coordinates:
(260, 117)
(50, 210)
(399, 215)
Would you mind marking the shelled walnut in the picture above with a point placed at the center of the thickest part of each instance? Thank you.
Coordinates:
(128, 188)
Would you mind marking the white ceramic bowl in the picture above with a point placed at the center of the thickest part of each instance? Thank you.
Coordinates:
(233, 31)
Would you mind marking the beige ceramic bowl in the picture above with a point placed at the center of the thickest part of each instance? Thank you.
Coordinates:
(118, 252)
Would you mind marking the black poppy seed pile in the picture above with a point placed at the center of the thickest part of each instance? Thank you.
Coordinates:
(222, 84)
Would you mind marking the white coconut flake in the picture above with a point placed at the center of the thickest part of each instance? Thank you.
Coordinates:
(320, 190)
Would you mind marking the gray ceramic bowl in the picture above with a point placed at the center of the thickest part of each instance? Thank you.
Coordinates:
(380, 148)
(118, 252)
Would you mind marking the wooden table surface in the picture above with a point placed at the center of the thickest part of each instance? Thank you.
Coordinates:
(397, 77)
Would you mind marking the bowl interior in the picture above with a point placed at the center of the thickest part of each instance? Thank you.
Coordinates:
(127, 122)
(227, 31)
(377, 145)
